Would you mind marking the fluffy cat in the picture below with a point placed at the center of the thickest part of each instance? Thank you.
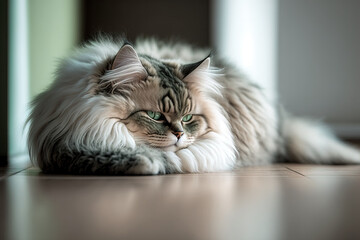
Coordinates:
(154, 108)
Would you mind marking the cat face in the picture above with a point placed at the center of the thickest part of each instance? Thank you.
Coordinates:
(162, 111)
(163, 122)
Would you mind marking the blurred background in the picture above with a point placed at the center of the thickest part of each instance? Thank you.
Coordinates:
(304, 53)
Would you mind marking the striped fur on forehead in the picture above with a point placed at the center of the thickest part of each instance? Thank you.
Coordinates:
(146, 62)
(177, 98)
(173, 102)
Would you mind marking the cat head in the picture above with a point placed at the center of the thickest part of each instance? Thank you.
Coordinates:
(164, 103)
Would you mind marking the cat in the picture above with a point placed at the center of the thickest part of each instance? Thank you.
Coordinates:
(158, 108)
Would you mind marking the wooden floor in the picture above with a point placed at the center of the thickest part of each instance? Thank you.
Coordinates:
(284, 201)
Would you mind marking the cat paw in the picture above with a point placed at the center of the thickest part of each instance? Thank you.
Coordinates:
(147, 164)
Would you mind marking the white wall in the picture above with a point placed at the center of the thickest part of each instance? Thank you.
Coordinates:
(40, 33)
(245, 33)
(319, 61)
(54, 31)
(307, 50)
(18, 87)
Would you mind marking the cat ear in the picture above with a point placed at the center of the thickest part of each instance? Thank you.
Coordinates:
(125, 69)
(202, 65)
(125, 56)
(199, 79)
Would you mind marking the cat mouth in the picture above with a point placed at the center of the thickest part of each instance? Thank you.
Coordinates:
(171, 147)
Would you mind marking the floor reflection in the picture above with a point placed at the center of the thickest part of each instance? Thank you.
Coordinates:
(200, 206)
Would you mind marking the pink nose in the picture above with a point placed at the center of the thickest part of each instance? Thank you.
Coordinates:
(178, 134)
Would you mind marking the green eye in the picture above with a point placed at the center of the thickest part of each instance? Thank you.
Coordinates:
(154, 115)
(187, 118)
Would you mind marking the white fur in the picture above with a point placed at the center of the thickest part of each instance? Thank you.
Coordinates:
(312, 142)
(69, 113)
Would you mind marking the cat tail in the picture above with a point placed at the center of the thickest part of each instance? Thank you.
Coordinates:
(309, 141)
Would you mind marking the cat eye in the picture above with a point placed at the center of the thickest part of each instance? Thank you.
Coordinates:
(187, 118)
(154, 115)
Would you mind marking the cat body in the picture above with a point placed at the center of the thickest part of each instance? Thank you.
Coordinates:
(154, 108)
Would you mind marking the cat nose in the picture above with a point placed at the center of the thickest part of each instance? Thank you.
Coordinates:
(178, 134)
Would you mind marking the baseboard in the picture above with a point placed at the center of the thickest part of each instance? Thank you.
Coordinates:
(349, 131)
(19, 160)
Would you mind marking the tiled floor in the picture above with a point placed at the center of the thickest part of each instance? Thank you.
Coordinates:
(283, 201)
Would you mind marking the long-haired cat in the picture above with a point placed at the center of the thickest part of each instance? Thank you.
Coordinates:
(156, 108)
